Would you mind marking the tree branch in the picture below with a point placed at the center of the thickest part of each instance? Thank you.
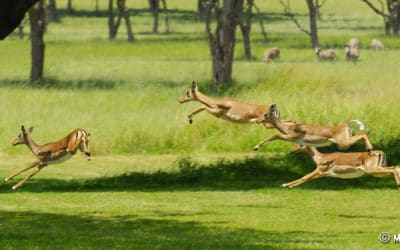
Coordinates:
(261, 21)
(288, 13)
(375, 9)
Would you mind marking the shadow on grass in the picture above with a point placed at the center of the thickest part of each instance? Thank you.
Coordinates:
(63, 84)
(246, 174)
(45, 230)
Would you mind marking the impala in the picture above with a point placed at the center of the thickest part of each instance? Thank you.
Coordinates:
(313, 135)
(50, 153)
(346, 166)
(225, 108)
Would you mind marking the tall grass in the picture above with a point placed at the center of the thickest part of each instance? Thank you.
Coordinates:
(126, 94)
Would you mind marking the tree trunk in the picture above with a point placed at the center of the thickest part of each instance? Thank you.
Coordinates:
(246, 29)
(155, 10)
(96, 9)
(313, 23)
(112, 25)
(201, 9)
(124, 12)
(69, 6)
(51, 11)
(37, 23)
(222, 42)
(166, 19)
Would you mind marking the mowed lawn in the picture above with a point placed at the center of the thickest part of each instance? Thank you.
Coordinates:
(57, 210)
(156, 182)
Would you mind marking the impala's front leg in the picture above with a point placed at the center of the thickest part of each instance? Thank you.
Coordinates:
(214, 111)
(276, 137)
(190, 116)
(32, 165)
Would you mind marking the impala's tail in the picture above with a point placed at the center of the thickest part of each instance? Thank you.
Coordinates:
(361, 125)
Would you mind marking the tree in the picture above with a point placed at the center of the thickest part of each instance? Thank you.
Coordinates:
(51, 11)
(114, 25)
(37, 23)
(222, 40)
(391, 18)
(245, 27)
(313, 10)
(155, 10)
(69, 7)
(12, 12)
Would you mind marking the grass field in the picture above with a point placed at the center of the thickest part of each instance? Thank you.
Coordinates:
(156, 182)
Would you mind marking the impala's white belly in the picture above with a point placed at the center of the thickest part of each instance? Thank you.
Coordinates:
(350, 175)
(61, 160)
(314, 144)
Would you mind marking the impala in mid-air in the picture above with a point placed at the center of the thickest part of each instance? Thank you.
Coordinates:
(313, 135)
(50, 153)
(226, 108)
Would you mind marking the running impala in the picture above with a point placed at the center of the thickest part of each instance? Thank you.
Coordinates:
(346, 166)
(313, 135)
(225, 108)
(50, 153)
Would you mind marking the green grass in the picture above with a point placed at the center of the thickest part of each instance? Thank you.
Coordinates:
(156, 182)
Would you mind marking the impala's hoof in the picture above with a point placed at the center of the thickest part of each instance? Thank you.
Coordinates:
(14, 187)
(5, 180)
(255, 148)
(190, 120)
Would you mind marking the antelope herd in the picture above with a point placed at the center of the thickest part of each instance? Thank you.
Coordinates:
(306, 136)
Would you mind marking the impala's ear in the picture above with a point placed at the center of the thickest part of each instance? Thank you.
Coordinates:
(275, 111)
(30, 130)
(23, 129)
(194, 85)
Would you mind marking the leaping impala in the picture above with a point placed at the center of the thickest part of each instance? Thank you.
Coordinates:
(50, 153)
(313, 135)
(225, 108)
(346, 166)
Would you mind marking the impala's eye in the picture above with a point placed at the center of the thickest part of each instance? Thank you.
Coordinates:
(187, 94)
(19, 135)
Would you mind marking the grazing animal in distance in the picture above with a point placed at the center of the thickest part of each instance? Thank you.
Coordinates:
(377, 45)
(346, 166)
(271, 54)
(326, 55)
(352, 54)
(354, 43)
(50, 153)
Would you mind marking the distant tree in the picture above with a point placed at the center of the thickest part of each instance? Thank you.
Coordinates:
(114, 25)
(201, 9)
(69, 7)
(51, 11)
(37, 23)
(245, 27)
(391, 16)
(222, 40)
(313, 10)
(155, 10)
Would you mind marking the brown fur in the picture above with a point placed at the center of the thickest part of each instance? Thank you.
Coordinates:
(346, 165)
(311, 135)
(50, 152)
(226, 108)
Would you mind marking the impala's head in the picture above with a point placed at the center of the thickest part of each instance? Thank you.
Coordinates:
(84, 145)
(190, 94)
(273, 114)
(317, 50)
(21, 138)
